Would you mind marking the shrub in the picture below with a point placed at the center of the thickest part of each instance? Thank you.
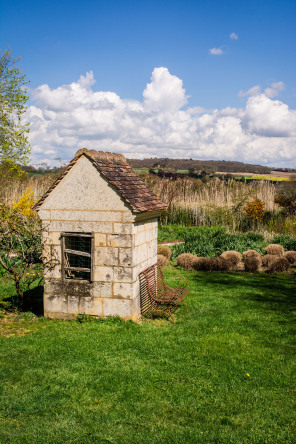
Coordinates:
(251, 253)
(288, 242)
(252, 263)
(186, 260)
(280, 264)
(291, 256)
(268, 259)
(255, 210)
(164, 250)
(162, 260)
(275, 249)
(211, 264)
(234, 257)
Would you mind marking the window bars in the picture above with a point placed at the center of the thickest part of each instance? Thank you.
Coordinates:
(77, 256)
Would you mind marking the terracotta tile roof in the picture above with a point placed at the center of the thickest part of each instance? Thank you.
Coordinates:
(120, 175)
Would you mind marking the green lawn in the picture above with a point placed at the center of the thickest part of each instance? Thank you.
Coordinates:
(224, 372)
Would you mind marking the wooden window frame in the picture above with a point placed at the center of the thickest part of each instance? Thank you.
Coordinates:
(64, 250)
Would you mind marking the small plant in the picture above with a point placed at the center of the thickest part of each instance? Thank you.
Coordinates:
(275, 249)
(252, 263)
(164, 250)
(234, 257)
(161, 260)
(291, 256)
(187, 260)
(280, 264)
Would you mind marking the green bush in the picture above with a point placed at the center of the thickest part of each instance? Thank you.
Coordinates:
(210, 242)
(288, 242)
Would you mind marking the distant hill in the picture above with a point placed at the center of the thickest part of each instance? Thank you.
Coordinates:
(209, 166)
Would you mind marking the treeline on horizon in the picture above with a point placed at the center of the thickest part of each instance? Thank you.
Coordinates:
(209, 166)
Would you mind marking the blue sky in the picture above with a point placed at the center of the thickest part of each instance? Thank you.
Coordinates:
(122, 42)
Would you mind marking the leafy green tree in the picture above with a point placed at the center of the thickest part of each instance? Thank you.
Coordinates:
(14, 146)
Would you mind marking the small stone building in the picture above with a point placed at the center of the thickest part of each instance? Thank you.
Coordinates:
(100, 222)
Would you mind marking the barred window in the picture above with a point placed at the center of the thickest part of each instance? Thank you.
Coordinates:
(77, 255)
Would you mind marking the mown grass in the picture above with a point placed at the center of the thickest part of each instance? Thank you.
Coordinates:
(122, 382)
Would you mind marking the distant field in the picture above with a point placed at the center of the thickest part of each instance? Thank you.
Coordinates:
(274, 175)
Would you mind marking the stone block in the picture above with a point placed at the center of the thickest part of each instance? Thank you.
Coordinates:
(126, 257)
(124, 274)
(81, 226)
(73, 304)
(91, 306)
(128, 216)
(51, 238)
(118, 307)
(119, 240)
(123, 290)
(86, 216)
(140, 238)
(106, 256)
(44, 214)
(125, 228)
(101, 289)
(55, 303)
(103, 274)
(100, 240)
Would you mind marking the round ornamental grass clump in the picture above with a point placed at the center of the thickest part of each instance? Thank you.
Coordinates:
(212, 264)
(234, 257)
(251, 253)
(279, 265)
(291, 256)
(187, 260)
(162, 260)
(275, 249)
(164, 250)
(252, 263)
(268, 259)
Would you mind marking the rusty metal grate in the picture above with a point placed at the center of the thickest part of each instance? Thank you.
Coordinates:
(148, 284)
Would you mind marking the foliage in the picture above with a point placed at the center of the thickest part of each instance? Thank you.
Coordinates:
(25, 203)
(14, 147)
(286, 198)
(20, 245)
(210, 242)
(288, 242)
(255, 210)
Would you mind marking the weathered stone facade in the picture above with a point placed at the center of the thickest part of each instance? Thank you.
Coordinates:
(125, 243)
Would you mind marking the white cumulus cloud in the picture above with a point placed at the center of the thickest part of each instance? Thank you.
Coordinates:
(233, 36)
(73, 116)
(216, 51)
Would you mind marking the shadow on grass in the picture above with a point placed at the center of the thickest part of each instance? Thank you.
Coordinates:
(276, 291)
(32, 301)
